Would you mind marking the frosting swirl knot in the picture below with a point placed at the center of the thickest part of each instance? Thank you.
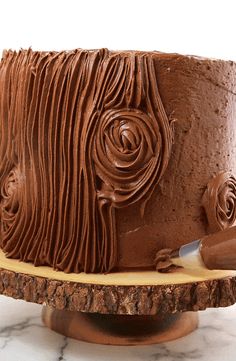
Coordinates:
(128, 155)
(219, 201)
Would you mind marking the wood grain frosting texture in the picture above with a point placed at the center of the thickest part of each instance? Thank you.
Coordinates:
(83, 134)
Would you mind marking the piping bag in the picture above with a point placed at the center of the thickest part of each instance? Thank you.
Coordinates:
(216, 251)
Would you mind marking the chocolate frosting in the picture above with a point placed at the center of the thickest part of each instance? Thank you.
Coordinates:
(83, 133)
(163, 262)
(90, 177)
(219, 201)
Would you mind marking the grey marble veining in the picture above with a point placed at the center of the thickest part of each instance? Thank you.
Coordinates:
(24, 338)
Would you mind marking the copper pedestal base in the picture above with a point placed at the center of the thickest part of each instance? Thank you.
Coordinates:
(120, 329)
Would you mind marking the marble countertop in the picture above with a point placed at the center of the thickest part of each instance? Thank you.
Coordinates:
(24, 338)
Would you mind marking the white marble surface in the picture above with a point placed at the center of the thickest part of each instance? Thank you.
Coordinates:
(24, 338)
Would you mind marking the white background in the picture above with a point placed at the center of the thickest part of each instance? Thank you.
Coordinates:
(202, 27)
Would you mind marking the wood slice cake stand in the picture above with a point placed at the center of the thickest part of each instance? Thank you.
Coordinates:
(125, 308)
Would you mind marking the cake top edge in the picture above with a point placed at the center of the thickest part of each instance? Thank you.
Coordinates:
(154, 53)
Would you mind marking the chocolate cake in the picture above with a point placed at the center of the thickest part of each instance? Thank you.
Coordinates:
(107, 157)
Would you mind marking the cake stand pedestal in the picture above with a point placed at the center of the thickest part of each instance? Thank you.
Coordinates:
(124, 308)
(120, 329)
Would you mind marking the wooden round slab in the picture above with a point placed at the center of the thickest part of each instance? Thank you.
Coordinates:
(124, 293)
